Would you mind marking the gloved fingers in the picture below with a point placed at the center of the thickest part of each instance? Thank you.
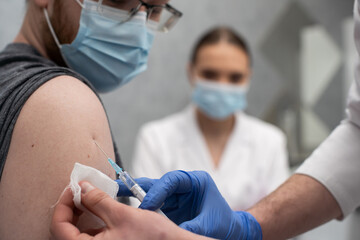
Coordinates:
(144, 183)
(194, 226)
(123, 190)
(170, 203)
(168, 185)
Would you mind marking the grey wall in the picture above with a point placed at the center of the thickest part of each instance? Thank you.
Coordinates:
(11, 16)
(164, 88)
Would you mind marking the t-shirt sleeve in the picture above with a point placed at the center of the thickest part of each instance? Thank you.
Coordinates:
(336, 163)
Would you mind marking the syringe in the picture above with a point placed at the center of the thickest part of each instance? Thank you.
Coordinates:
(129, 182)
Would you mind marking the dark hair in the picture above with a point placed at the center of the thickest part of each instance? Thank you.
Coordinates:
(220, 34)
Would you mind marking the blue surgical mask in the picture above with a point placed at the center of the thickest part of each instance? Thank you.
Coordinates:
(106, 50)
(219, 101)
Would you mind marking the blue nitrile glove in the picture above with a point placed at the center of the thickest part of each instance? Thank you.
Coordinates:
(192, 200)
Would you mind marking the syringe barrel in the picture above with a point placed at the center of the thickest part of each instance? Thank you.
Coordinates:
(137, 191)
(127, 179)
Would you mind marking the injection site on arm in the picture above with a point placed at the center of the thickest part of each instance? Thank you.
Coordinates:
(55, 129)
(129, 182)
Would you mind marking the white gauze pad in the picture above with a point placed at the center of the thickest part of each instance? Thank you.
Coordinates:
(97, 179)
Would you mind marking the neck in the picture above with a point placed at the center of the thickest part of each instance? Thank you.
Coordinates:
(215, 128)
(30, 32)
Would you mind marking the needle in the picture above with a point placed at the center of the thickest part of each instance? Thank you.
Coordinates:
(101, 149)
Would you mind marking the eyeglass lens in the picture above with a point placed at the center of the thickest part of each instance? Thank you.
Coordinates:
(160, 17)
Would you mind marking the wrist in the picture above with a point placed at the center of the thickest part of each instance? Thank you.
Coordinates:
(246, 227)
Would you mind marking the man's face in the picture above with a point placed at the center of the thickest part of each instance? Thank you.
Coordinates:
(66, 14)
(65, 18)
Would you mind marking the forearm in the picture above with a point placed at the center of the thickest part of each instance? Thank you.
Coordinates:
(300, 204)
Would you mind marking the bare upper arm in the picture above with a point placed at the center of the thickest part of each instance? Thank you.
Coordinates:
(55, 129)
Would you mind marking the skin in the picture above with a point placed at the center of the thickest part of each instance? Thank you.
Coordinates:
(138, 224)
(56, 128)
(311, 205)
(222, 63)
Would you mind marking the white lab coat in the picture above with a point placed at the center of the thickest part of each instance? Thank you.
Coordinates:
(336, 163)
(254, 162)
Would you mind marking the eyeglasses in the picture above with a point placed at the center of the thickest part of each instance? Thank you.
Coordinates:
(160, 17)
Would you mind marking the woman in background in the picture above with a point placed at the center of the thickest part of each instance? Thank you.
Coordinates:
(245, 156)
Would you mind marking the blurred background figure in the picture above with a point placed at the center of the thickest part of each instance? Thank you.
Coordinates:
(246, 157)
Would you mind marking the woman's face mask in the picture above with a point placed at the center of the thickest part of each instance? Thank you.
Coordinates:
(106, 50)
(220, 76)
(219, 101)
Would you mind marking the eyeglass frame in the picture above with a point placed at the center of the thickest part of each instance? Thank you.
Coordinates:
(149, 7)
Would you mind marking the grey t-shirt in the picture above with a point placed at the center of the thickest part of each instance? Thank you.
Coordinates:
(22, 71)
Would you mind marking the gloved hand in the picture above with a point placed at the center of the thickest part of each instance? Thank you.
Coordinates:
(138, 224)
(192, 200)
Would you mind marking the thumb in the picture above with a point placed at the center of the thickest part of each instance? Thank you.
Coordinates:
(99, 203)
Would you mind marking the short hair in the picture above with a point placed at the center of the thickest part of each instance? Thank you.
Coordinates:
(217, 35)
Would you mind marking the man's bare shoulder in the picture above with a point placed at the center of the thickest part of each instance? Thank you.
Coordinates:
(56, 128)
(63, 94)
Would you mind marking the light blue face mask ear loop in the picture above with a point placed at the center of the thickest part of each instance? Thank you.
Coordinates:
(81, 4)
(51, 28)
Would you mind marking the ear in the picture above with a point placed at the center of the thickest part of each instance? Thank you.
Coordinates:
(191, 73)
(42, 3)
